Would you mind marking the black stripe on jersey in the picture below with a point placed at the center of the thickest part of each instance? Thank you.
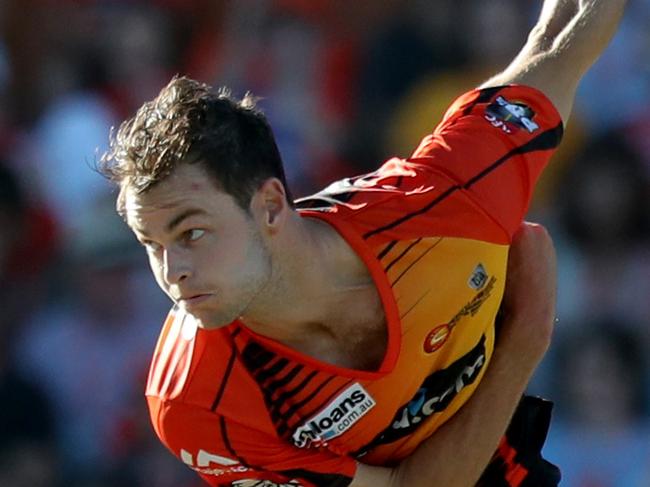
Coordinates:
(273, 370)
(404, 252)
(388, 248)
(226, 375)
(274, 405)
(415, 262)
(255, 356)
(228, 445)
(414, 305)
(277, 384)
(295, 407)
(484, 96)
(544, 141)
(319, 479)
(283, 421)
(324, 403)
(288, 394)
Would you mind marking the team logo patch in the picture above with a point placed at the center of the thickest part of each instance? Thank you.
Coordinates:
(338, 417)
(510, 117)
(478, 278)
(441, 333)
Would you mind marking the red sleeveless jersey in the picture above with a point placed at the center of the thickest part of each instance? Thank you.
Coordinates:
(434, 231)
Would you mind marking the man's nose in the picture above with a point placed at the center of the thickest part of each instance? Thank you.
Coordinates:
(176, 267)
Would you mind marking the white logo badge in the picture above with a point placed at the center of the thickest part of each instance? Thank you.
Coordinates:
(478, 278)
(338, 417)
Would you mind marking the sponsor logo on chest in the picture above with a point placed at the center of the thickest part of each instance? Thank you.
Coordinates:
(434, 395)
(338, 417)
(439, 335)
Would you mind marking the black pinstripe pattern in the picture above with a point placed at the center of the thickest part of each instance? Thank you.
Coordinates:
(387, 249)
(266, 374)
(325, 402)
(297, 406)
(416, 261)
(255, 356)
(404, 252)
(415, 304)
(279, 383)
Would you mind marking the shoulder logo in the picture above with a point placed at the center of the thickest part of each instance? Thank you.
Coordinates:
(337, 417)
(510, 116)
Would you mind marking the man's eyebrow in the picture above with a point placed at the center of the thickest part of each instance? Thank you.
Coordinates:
(178, 219)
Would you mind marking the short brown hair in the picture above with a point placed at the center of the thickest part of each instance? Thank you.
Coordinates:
(189, 123)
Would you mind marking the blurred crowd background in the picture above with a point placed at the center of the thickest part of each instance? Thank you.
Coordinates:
(345, 84)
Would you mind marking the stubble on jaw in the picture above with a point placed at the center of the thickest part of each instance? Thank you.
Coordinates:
(254, 287)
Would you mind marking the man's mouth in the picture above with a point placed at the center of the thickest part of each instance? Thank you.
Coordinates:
(193, 300)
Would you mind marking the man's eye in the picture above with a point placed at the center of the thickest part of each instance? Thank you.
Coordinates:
(194, 234)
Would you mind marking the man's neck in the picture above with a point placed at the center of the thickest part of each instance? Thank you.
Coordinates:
(311, 284)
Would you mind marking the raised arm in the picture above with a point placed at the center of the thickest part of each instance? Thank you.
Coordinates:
(459, 451)
(567, 39)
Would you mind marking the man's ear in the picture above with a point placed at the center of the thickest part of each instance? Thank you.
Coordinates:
(269, 204)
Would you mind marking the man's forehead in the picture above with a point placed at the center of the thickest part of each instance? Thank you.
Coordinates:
(172, 197)
(136, 203)
(177, 188)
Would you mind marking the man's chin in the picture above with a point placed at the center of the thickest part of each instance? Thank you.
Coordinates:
(211, 321)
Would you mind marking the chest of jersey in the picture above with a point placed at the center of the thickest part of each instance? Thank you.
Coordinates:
(441, 342)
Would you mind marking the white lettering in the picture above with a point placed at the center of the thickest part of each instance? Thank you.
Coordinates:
(204, 459)
(339, 416)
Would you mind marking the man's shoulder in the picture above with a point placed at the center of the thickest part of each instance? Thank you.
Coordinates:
(405, 199)
(394, 179)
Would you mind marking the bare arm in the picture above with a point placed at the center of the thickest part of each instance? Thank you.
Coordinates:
(567, 39)
(460, 450)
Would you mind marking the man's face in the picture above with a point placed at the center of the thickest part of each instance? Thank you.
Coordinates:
(206, 253)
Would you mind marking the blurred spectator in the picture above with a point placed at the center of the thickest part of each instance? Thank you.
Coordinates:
(63, 147)
(28, 464)
(616, 90)
(91, 347)
(604, 242)
(601, 428)
(409, 45)
(27, 454)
